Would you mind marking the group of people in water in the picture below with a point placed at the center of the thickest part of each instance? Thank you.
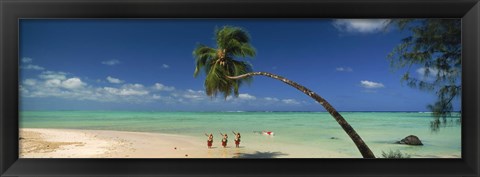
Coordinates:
(237, 138)
(224, 139)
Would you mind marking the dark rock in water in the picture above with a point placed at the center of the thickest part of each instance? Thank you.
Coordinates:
(410, 140)
(334, 138)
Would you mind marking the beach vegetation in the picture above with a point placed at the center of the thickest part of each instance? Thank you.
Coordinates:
(433, 51)
(395, 154)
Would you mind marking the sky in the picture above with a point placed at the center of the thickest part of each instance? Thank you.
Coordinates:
(148, 65)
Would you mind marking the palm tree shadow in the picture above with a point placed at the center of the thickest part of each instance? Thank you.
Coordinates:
(259, 154)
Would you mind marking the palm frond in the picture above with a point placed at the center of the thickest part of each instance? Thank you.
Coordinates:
(203, 55)
(242, 67)
(238, 49)
(216, 82)
(226, 34)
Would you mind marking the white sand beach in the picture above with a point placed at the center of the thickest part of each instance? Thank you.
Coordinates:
(78, 143)
(75, 143)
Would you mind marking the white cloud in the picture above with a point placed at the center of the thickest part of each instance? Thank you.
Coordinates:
(30, 66)
(246, 96)
(111, 62)
(62, 85)
(370, 84)
(161, 87)
(73, 83)
(156, 97)
(27, 60)
(74, 88)
(360, 25)
(23, 91)
(30, 82)
(290, 101)
(114, 80)
(272, 99)
(190, 96)
(53, 83)
(195, 95)
(53, 75)
(241, 97)
(195, 91)
(127, 90)
(33, 67)
(56, 84)
(344, 69)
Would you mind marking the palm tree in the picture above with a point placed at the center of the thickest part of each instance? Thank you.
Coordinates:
(225, 74)
(218, 63)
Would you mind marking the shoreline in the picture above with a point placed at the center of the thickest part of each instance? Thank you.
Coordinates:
(79, 143)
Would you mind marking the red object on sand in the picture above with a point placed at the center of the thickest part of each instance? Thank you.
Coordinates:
(268, 133)
(209, 143)
(224, 143)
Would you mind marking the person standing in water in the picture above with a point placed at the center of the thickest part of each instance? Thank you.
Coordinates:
(224, 140)
(237, 139)
(209, 140)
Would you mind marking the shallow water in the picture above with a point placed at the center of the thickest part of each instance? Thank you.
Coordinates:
(302, 129)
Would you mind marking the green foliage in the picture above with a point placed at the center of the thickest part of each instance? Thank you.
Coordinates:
(395, 155)
(434, 47)
(231, 43)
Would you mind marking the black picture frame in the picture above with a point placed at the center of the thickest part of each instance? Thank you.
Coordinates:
(12, 10)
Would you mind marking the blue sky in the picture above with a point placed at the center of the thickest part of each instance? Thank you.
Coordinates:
(148, 65)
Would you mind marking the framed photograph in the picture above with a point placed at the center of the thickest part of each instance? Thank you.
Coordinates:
(244, 88)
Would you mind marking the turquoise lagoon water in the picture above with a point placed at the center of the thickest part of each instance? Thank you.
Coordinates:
(308, 129)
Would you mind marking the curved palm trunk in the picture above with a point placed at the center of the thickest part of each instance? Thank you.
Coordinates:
(362, 147)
